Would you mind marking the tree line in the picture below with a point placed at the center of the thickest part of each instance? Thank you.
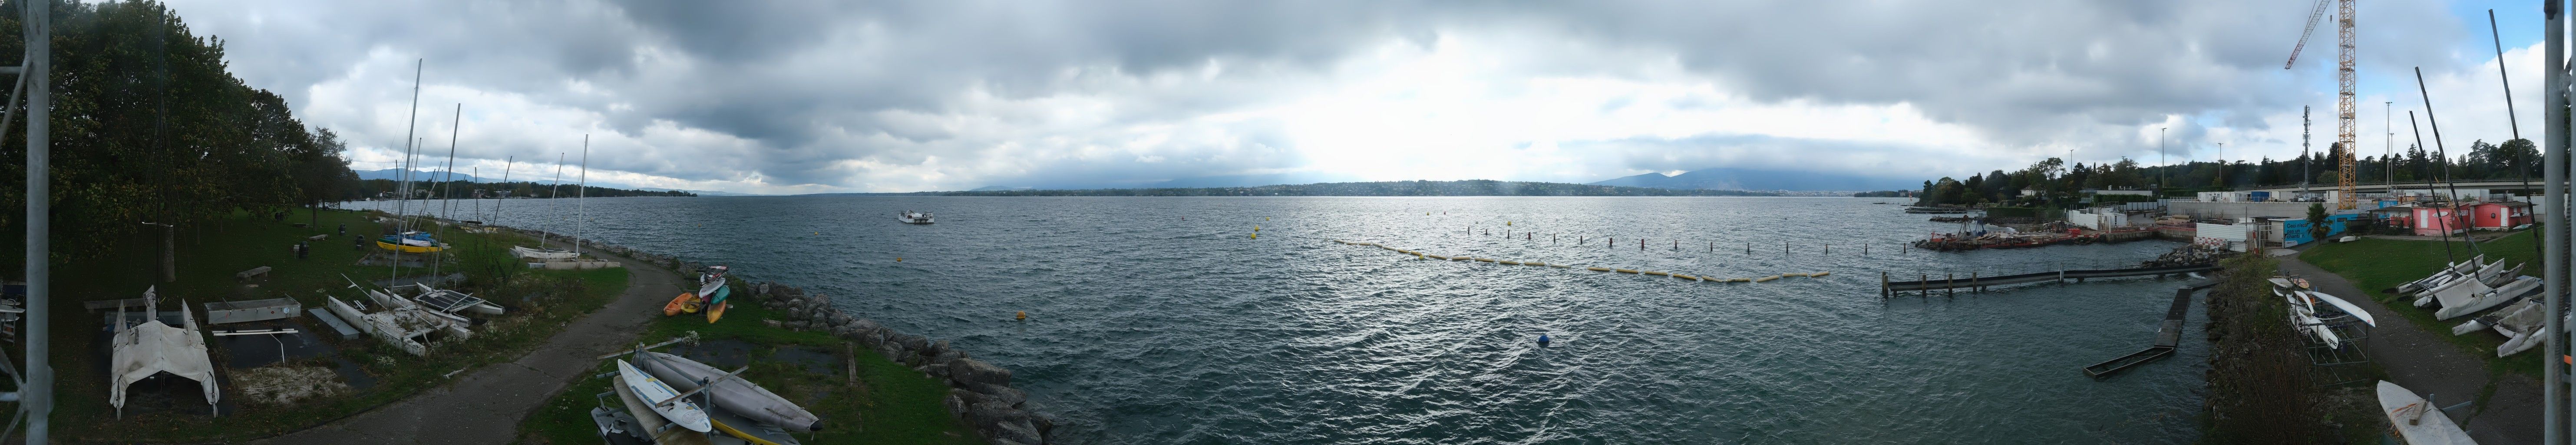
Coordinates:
(2054, 179)
(148, 126)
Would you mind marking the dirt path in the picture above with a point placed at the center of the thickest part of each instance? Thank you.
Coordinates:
(2419, 360)
(485, 406)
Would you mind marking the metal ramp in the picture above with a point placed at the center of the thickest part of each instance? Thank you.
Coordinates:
(2168, 336)
(449, 301)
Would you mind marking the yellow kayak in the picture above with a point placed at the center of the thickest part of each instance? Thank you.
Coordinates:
(408, 249)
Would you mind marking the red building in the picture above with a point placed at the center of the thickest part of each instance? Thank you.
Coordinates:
(2499, 215)
(2437, 218)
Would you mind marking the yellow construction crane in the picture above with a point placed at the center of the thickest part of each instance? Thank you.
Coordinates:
(2343, 105)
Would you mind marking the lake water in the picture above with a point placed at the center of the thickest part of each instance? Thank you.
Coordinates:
(1160, 320)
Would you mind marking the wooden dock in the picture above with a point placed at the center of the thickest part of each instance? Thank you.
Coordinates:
(1927, 283)
(2168, 335)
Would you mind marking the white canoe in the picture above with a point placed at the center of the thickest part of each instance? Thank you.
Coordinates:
(2416, 420)
(2346, 306)
(652, 390)
(542, 254)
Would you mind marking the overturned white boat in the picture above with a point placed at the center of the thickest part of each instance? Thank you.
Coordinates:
(2416, 420)
(154, 347)
(732, 395)
(543, 253)
(912, 217)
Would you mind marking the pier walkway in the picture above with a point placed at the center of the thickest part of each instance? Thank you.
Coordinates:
(1924, 284)
(2168, 334)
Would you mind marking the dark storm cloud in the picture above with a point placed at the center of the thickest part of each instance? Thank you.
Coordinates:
(913, 95)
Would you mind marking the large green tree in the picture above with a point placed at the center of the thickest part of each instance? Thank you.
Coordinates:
(149, 126)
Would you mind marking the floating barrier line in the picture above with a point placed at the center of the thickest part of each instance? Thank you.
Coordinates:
(1418, 254)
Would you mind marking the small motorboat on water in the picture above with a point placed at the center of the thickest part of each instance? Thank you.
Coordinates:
(913, 217)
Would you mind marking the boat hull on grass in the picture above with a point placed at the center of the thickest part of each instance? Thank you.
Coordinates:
(542, 254)
(654, 391)
(410, 249)
(734, 395)
(2416, 420)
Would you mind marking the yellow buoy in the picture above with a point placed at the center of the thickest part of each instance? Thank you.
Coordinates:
(1507, 223)
(1256, 236)
(1024, 315)
(898, 259)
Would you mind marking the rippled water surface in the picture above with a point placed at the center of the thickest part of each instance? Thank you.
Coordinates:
(1160, 320)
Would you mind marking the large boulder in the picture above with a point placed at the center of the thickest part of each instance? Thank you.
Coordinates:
(870, 338)
(868, 324)
(956, 405)
(1004, 395)
(967, 371)
(891, 351)
(1017, 431)
(913, 342)
(935, 349)
(990, 413)
(936, 371)
(947, 356)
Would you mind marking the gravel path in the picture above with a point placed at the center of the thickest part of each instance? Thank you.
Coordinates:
(485, 406)
(2419, 360)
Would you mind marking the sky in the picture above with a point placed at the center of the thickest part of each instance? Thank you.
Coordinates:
(789, 97)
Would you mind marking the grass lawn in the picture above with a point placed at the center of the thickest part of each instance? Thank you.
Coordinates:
(888, 403)
(2379, 265)
(207, 257)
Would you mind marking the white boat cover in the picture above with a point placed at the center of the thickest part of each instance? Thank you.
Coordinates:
(155, 347)
(2457, 292)
(2518, 324)
(2483, 300)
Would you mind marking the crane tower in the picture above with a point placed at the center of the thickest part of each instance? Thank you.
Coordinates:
(2345, 125)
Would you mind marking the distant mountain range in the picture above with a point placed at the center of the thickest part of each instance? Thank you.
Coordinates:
(1477, 187)
(433, 175)
(1752, 179)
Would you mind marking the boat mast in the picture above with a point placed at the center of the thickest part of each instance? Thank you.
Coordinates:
(447, 205)
(544, 231)
(409, 144)
(578, 194)
(501, 197)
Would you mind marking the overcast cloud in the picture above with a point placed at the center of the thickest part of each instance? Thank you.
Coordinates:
(803, 97)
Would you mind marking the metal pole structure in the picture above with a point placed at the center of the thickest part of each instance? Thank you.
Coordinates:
(447, 207)
(2160, 160)
(578, 193)
(2445, 153)
(2388, 148)
(37, 397)
(2553, 167)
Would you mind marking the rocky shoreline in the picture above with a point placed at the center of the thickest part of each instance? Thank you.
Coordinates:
(979, 394)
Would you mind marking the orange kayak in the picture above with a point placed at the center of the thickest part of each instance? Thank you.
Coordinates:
(686, 302)
(716, 312)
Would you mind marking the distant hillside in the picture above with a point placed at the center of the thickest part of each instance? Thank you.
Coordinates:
(1751, 179)
(1381, 188)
